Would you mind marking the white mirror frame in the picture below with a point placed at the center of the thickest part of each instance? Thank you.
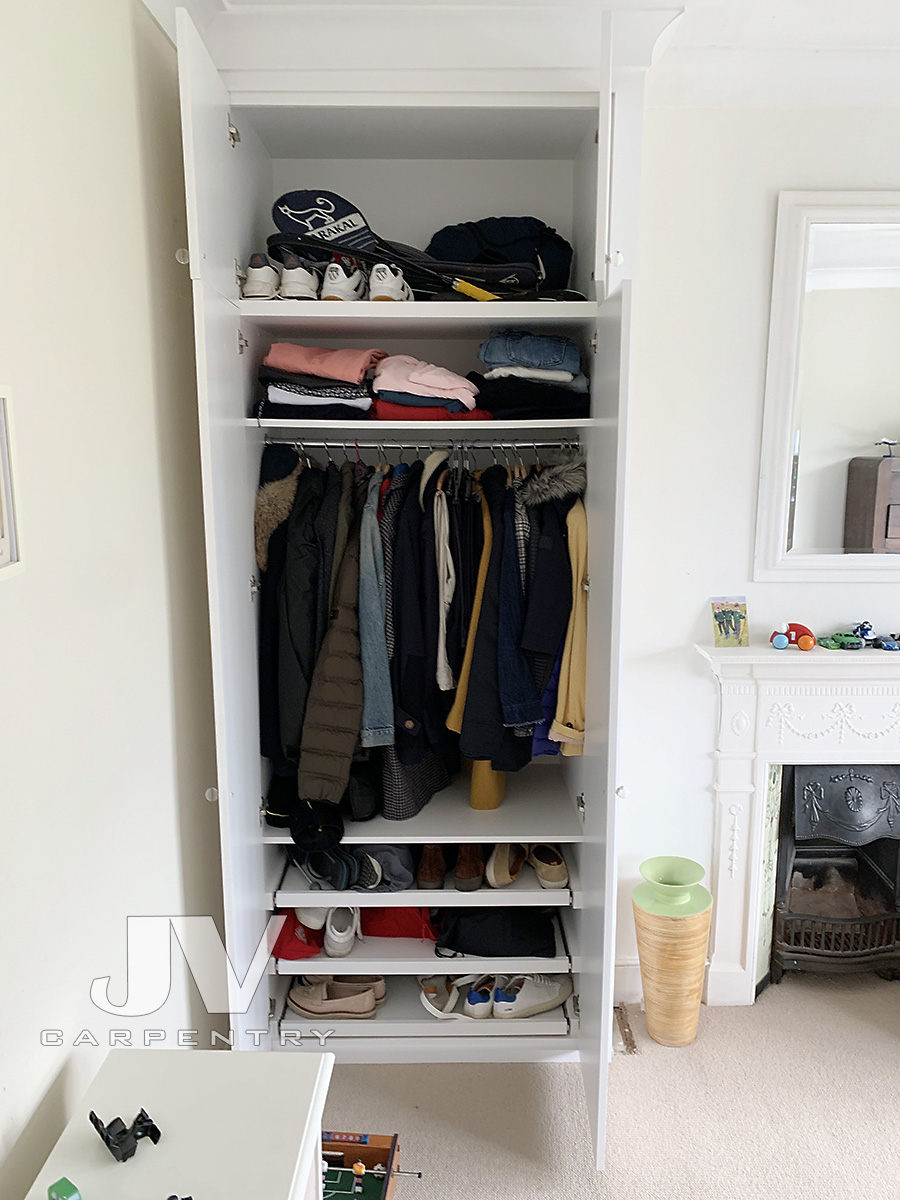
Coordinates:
(797, 212)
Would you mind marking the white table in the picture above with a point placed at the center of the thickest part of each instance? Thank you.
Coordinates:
(235, 1126)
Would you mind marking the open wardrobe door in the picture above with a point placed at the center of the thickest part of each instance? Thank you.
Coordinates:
(229, 461)
(605, 447)
(228, 175)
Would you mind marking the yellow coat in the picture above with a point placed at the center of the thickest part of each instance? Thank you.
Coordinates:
(568, 725)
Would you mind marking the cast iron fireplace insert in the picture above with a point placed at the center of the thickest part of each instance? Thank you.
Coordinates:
(837, 882)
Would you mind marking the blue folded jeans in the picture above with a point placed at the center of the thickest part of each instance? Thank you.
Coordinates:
(518, 348)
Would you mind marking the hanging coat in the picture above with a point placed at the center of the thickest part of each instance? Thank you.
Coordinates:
(334, 705)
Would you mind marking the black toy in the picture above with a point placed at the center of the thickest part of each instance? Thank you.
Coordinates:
(121, 1140)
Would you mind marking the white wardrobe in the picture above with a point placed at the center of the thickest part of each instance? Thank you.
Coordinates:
(423, 115)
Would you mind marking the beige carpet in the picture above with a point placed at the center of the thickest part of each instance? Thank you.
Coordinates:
(798, 1096)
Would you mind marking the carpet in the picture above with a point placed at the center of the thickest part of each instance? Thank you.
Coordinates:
(798, 1095)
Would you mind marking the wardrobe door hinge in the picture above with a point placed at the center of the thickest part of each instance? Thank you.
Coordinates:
(254, 586)
(594, 344)
(233, 133)
(579, 804)
(262, 810)
(586, 583)
(242, 342)
(271, 1008)
(576, 1005)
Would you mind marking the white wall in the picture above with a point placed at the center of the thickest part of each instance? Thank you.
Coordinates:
(711, 178)
(848, 396)
(105, 712)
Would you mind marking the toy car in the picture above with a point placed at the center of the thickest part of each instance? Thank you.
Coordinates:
(842, 641)
(883, 642)
(793, 634)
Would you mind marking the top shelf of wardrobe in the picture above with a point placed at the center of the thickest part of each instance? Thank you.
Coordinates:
(440, 318)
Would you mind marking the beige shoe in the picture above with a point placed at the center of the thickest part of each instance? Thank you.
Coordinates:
(331, 1000)
(549, 864)
(505, 863)
(375, 982)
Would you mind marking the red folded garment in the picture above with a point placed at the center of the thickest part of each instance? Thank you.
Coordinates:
(383, 410)
(397, 922)
(296, 941)
(348, 365)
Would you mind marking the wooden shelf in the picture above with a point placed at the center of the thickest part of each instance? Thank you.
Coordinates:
(410, 956)
(439, 318)
(538, 807)
(296, 892)
(402, 1015)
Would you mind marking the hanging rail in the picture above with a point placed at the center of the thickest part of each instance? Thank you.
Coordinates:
(422, 443)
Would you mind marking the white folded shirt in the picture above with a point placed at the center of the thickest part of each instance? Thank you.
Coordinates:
(279, 395)
(536, 373)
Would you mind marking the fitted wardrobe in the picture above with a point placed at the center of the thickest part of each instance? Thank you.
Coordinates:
(423, 115)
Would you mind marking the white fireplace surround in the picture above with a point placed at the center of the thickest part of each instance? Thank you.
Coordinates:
(785, 707)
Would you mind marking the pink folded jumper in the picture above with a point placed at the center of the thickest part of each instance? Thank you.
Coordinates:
(403, 373)
(347, 365)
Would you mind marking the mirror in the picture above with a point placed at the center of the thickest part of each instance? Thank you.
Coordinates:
(829, 502)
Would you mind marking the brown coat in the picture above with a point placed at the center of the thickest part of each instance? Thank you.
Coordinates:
(334, 706)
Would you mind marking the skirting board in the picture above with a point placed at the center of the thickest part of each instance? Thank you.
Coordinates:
(627, 985)
(722, 987)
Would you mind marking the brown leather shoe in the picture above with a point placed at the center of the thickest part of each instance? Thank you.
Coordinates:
(432, 868)
(469, 871)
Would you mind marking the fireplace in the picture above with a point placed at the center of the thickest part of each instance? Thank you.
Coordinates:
(817, 710)
(837, 880)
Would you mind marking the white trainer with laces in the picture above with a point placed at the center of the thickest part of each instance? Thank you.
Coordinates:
(527, 995)
(298, 282)
(387, 283)
(312, 918)
(341, 931)
(341, 284)
(261, 280)
(479, 1001)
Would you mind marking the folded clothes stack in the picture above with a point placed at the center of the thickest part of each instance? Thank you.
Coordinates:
(310, 383)
(407, 389)
(531, 376)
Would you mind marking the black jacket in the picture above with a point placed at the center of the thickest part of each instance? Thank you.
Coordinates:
(299, 621)
(483, 734)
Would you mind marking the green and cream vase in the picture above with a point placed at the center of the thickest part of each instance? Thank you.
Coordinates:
(672, 912)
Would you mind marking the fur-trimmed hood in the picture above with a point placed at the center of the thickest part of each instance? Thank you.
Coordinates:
(557, 481)
(274, 502)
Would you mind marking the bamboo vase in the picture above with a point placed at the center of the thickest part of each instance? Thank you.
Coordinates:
(672, 914)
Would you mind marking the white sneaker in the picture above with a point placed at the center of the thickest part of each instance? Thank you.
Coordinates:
(387, 283)
(341, 284)
(261, 281)
(312, 918)
(479, 1000)
(526, 995)
(341, 931)
(297, 281)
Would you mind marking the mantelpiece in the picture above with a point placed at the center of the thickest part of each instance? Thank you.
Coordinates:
(781, 707)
